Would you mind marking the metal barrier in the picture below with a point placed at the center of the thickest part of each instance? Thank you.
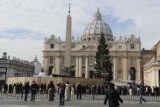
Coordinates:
(43, 97)
(124, 97)
(12, 96)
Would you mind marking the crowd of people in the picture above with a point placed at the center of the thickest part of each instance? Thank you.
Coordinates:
(67, 91)
(19, 88)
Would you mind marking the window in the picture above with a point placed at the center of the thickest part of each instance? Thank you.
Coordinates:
(132, 46)
(73, 45)
(84, 46)
(110, 46)
(119, 47)
(89, 39)
(51, 46)
(51, 61)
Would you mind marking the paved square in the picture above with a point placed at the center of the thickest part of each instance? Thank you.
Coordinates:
(74, 103)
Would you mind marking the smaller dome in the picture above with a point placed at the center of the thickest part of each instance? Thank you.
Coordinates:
(42, 74)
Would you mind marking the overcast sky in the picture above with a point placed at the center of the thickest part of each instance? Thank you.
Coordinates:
(25, 23)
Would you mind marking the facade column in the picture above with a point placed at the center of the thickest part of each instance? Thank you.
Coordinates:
(86, 67)
(114, 68)
(77, 67)
(154, 78)
(157, 79)
(138, 71)
(57, 65)
(125, 69)
(80, 67)
(46, 64)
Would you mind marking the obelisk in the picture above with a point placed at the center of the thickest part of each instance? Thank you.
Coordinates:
(67, 63)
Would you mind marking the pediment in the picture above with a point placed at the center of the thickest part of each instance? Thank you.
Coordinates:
(89, 48)
(52, 39)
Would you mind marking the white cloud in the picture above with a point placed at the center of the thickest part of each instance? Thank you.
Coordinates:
(24, 49)
(144, 13)
(46, 17)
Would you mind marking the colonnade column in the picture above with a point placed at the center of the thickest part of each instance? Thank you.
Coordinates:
(80, 67)
(77, 67)
(114, 68)
(154, 78)
(157, 79)
(138, 71)
(45, 64)
(158, 84)
(125, 69)
(57, 65)
(86, 67)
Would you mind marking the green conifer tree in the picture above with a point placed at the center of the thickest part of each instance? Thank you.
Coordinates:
(103, 63)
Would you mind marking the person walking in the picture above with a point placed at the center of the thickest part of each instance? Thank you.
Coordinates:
(34, 88)
(26, 91)
(112, 96)
(79, 91)
(61, 92)
(141, 91)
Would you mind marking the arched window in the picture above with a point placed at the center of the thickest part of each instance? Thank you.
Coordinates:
(132, 72)
(132, 46)
(51, 46)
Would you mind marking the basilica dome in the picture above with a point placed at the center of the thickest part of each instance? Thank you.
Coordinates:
(94, 29)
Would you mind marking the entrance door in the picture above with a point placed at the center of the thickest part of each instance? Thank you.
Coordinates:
(91, 74)
(132, 72)
(50, 70)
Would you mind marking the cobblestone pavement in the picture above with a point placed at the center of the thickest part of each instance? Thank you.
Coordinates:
(75, 103)
(42, 102)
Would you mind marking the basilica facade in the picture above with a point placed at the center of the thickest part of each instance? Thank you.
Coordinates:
(79, 55)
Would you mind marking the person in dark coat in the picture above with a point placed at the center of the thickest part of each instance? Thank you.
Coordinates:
(34, 88)
(26, 91)
(112, 96)
(51, 91)
(141, 91)
(79, 91)
(51, 85)
(61, 92)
